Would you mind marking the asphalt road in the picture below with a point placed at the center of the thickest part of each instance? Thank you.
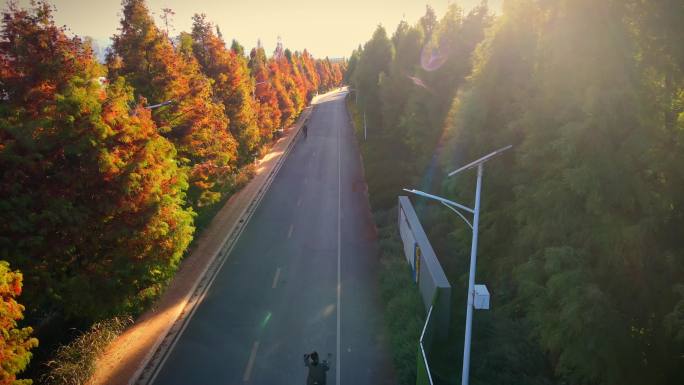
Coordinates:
(302, 277)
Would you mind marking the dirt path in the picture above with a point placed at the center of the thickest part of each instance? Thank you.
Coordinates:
(126, 358)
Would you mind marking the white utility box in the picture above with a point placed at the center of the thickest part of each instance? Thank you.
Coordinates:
(481, 297)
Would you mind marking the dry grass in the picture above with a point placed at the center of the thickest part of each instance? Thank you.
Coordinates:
(73, 364)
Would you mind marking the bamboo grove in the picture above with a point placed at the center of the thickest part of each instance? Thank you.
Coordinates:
(105, 167)
(581, 229)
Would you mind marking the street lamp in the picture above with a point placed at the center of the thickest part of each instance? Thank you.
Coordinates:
(162, 104)
(478, 296)
(152, 107)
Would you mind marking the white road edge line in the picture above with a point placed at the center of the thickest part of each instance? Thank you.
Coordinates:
(275, 279)
(289, 232)
(339, 253)
(250, 363)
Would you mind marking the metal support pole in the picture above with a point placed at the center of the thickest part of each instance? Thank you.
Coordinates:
(473, 248)
(471, 281)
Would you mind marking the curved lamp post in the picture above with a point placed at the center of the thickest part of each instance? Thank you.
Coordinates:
(478, 296)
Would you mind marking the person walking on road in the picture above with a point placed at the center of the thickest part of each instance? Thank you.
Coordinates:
(306, 130)
(317, 370)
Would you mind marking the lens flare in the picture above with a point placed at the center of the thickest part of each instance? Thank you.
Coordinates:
(432, 57)
(264, 322)
(417, 81)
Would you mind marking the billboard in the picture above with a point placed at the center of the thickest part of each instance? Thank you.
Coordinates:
(426, 270)
(412, 250)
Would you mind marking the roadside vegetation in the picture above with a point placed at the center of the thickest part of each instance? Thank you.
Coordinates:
(580, 234)
(403, 309)
(74, 363)
(109, 169)
(404, 116)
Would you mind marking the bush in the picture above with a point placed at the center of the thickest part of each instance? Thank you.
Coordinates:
(403, 311)
(15, 342)
(207, 213)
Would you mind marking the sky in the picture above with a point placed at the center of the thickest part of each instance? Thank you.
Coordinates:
(324, 27)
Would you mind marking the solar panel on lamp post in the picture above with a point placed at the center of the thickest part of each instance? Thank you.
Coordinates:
(475, 211)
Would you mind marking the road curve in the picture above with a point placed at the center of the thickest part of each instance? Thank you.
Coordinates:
(302, 277)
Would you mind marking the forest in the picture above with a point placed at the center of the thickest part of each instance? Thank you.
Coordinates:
(581, 228)
(108, 170)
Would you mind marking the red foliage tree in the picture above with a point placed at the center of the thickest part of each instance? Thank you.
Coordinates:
(303, 85)
(232, 85)
(265, 94)
(196, 124)
(310, 73)
(323, 69)
(90, 195)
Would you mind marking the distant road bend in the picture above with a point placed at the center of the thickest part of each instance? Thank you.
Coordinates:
(301, 277)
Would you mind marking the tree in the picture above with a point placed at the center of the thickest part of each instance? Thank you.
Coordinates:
(337, 72)
(92, 194)
(100, 165)
(281, 82)
(577, 212)
(231, 84)
(399, 85)
(309, 72)
(375, 60)
(235, 46)
(353, 62)
(305, 86)
(16, 343)
(324, 75)
(405, 102)
(295, 84)
(269, 112)
(428, 21)
(192, 120)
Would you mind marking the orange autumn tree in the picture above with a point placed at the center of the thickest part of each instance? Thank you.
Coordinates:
(299, 80)
(268, 117)
(16, 343)
(337, 71)
(187, 113)
(90, 194)
(232, 85)
(279, 78)
(303, 84)
(326, 80)
(294, 83)
(310, 73)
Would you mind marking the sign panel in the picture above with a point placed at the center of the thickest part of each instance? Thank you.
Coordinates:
(416, 265)
(426, 270)
(407, 238)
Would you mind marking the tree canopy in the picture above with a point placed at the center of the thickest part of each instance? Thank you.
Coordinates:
(104, 168)
(580, 239)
